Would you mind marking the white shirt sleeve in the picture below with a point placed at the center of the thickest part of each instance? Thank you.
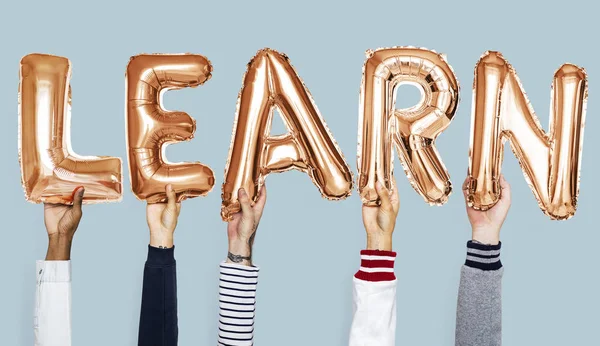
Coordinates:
(374, 301)
(52, 311)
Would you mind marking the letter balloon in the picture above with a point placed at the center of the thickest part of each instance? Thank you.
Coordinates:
(50, 170)
(271, 82)
(150, 128)
(550, 161)
(413, 130)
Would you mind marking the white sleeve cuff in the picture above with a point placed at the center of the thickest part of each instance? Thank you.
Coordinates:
(53, 271)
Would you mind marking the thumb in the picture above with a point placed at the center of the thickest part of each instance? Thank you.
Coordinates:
(505, 197)
(171, 198)
(384, 196)
(244, 202)
(465, 188)
(78, 200)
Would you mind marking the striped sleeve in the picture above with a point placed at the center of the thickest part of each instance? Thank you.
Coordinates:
(484, 257)
(237, 297)
(376, 265)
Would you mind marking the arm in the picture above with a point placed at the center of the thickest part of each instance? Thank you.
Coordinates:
(158, 316)
(52, 315)
(238, 276)
(374, 285)
(479, 309)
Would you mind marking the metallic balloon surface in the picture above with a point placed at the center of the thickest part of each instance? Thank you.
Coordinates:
(550, 161)
(50, 170)
(150, 128)
(413, 130)
(271, 82)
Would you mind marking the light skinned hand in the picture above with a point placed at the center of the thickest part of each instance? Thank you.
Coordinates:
(162, 219)
(380, 221)
(61, 223)
(486, 225)
(241, 230)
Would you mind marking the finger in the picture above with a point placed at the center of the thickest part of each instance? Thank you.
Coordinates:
(465, 186)
(505, 188)
(384, 196)
(171, 198)
(262, 199)
(244, 202)
(78, 200)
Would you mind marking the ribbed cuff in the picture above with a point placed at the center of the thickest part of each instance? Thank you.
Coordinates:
(484, 257)
(53, 271)
(376, 265)
(161, 257)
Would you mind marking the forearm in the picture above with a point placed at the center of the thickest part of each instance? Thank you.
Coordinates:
(479, 310)
(374, 298)
(59, 247)
(161, 240)
(379, 241)
(52, 315)
(158, 316)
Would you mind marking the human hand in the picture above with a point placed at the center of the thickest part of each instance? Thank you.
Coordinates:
(241, 230)
(379, 221)
(486, 225)
(162, 220)
(61, 223)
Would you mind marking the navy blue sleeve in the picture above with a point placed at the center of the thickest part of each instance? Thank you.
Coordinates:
(158, 316)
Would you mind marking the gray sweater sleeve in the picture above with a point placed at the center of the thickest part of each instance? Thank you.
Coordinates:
(479, 310)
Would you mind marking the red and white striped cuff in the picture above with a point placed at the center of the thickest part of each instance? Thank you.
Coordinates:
(376, 265)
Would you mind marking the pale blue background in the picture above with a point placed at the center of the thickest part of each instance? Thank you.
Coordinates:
(307, 247)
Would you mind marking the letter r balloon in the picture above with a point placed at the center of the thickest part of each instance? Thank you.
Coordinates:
(412, 130)
(150, 128)
(50, 170)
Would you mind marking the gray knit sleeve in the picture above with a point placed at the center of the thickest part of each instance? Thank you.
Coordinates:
(479, 310)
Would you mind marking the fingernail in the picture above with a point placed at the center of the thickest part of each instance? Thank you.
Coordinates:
(378, 185)
(243, 192)
(78, 190)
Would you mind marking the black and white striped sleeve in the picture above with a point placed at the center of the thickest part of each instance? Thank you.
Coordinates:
(237, 298)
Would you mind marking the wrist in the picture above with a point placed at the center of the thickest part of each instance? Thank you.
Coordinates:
(240, 252)
(381, 242)
(486, 235)
(235, 258)
(60, 237)
(242, 249)
(160, 240)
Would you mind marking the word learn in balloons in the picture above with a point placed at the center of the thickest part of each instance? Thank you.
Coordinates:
(551, 161)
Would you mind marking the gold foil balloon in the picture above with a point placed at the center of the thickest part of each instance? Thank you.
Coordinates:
(150, 128)
(271, 82)
(550, 161)
(412, 130)
(50, 170)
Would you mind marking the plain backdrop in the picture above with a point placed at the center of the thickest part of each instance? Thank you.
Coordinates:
(307, 247)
